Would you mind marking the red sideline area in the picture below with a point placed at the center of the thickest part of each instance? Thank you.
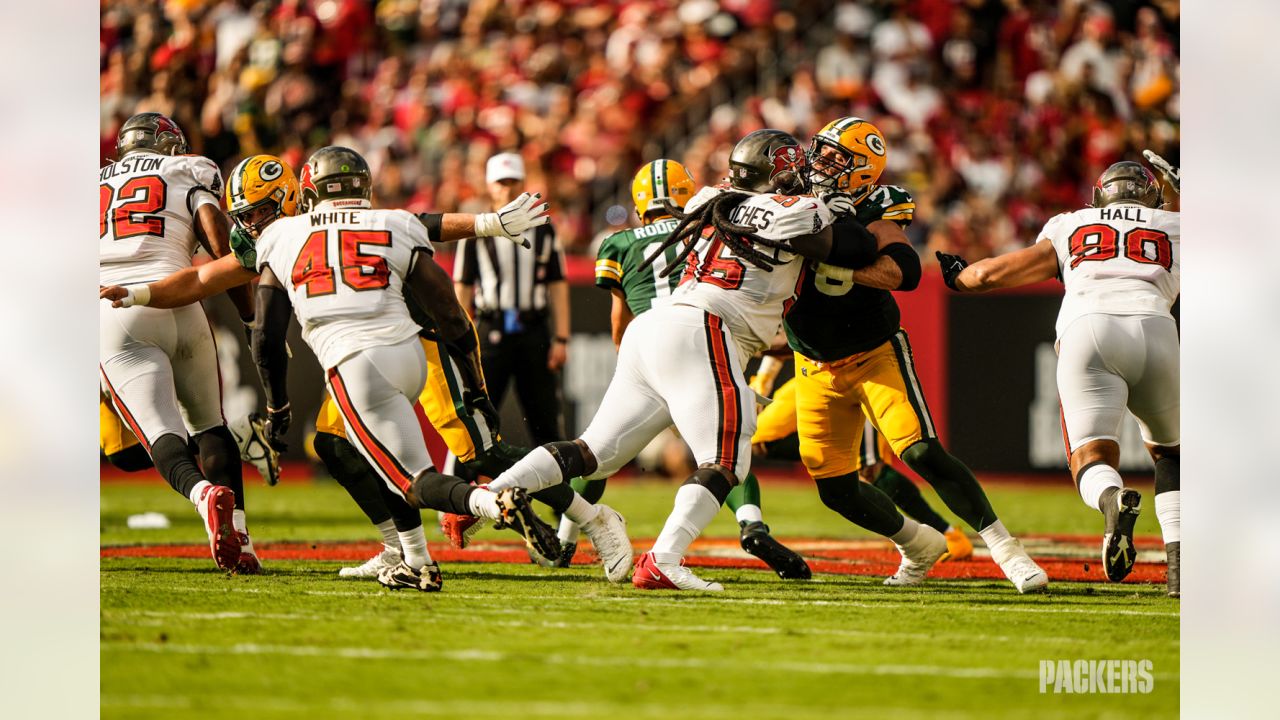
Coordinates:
(1068, 558)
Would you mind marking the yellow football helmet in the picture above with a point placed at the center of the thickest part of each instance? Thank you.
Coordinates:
(259, 190)
(847, 156)
(658, 181)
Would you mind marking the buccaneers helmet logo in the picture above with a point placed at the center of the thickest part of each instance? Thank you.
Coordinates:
(788, 158)
(305, 180)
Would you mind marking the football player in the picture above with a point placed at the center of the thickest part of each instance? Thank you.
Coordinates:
(776, 438)
(681, 362)
(1117, 344)
(656, 188)
(160, 367)
(854, 362)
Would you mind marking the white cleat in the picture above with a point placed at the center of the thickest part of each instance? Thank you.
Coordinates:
(1023, 572)
(918, 557)
(374, 565)
(608, 533)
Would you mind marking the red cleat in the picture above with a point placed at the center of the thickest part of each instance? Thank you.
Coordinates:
(249, 563)
(459, 528)
(215, 507)
(647, 576)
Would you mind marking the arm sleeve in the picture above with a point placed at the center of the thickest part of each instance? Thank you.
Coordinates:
(555, 259)
(206, 184)
(609, 263)
(465, 265)
(268, 344)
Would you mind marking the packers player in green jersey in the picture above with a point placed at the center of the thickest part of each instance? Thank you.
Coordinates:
(853, 360)
(656, 189)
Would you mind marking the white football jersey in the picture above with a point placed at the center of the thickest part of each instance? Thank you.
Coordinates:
(148, 202)
(344, 270)
(750, 300)
(1120, 260)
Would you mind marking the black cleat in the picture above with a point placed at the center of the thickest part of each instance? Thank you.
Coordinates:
(399, 576)
(1121, 510)
(1174, 552)
(756, 540)
(518, 515)
(567, 551)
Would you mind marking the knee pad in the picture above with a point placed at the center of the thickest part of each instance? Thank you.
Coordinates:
(716, 479)
(1168, 474)
(572, 457)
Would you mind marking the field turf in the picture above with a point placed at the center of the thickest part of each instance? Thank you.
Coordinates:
(506, 640)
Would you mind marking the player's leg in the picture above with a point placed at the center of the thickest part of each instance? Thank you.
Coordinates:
(696, 371)
(777, 419)
(198, 385)
(118, 444)
(1156, 401)
(538, 388)
(135, 345)
(1093, 396)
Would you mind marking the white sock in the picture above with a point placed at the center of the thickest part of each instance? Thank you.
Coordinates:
(484, 503)
(390, 538)
(414, 544)
(568, 532)
(748, 514)
(1169, 513)
(1000, 542)
(536, 471)
(907, 533)
(198, 490)
(1095, 481)
(580, 511)
(695, 508)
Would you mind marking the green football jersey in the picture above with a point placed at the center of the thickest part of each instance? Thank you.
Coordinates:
(834, 319)
(622, 253)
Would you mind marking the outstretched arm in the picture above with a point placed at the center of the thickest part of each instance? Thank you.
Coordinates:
(184, 287)
(1022, 267)
(878, 255)
(511, 221)
(213, 230)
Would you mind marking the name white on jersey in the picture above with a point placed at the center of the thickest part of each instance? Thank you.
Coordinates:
(1120, 260)
(750, 300)
(148, 204)
(344, 270)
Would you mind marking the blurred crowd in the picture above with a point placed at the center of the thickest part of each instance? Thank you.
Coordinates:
(998, 113)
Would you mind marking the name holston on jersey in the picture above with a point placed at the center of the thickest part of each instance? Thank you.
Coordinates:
(140, 162)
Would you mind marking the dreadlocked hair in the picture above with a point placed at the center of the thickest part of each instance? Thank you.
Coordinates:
(715, 213)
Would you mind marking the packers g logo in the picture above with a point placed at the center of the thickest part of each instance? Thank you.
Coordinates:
(875, 144)
(270, 170)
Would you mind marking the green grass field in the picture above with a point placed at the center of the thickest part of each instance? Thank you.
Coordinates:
(181, 640)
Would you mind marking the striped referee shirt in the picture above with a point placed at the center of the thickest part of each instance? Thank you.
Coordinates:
(507, 276)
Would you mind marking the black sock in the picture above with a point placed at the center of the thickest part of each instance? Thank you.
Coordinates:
(438, 491)
(131, 459)
(1168, 475)
(405, 516)
(174, 460)
(955, 484)
(590, 490)
(220, 460)
(861, 504)
(906, 495)
(354, 474)
(558, 497)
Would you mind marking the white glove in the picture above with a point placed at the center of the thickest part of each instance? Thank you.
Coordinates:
(839, 203)
(1171, 174)
(523, 213)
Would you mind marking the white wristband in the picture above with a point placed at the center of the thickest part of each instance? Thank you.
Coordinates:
(140, 294)
(488, 225)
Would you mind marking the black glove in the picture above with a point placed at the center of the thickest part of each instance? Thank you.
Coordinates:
(277, 425)
(951, 266)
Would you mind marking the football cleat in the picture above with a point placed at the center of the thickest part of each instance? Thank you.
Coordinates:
(1023, 572)
(374, 565)
(608, 533)
(459, 529)
(250, 434)
(649, 575)
(1174, 552)
(755, 539)
(567, 551)
(249, 563)
(518, 515)
(918, 557)
(215, 506)
(958, 545)
(400, 576)
(1118, 553)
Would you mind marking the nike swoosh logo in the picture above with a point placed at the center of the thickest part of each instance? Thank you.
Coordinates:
(654, 575)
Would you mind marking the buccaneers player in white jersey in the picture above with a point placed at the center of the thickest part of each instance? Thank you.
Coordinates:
(160, 367)
(1117, 343)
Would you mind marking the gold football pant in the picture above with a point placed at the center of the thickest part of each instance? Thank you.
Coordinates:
(463, 433)
(113, 435)
(834, 398)
(778, 420)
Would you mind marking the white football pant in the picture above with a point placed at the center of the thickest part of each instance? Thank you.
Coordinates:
(1109, 362)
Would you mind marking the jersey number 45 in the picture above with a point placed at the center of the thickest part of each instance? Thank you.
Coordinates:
(313, 271)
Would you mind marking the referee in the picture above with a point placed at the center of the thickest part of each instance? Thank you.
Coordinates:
(521, 307)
